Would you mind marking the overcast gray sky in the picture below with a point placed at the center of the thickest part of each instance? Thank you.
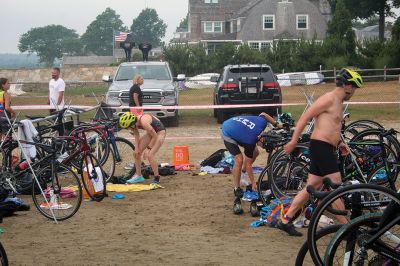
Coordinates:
(19, 16)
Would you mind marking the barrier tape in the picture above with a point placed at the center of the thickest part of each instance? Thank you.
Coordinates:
(189, 107)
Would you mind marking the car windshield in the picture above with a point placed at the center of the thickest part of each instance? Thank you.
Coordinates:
(159, 72)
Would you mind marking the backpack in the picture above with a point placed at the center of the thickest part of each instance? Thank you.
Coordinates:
(273, 212)
(214, 158)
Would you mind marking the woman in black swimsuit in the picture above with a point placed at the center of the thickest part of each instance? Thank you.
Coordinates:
(149, 143)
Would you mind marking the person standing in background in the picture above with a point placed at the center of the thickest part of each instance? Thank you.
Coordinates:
(5, 99)
(136, 95)
(56, 90)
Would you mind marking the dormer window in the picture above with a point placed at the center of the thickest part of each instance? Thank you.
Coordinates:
(302, 22)
(211, 1)
(212, 26)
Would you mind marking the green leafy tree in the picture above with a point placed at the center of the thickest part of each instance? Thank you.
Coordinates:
(340, 40)
(99, 36)
(50, 42)
(367, 8)
(396, 30)
(148, 27)
(177, 55)
(183, 24)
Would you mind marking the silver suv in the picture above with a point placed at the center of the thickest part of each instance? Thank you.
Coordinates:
(159, 88)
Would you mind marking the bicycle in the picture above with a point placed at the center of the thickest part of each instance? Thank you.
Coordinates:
(60, 185)
(355, 199)
(371, 238)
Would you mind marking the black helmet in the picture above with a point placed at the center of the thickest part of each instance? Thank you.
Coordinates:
(347, 76)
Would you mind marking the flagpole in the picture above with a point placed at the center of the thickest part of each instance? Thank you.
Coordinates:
(113, 46)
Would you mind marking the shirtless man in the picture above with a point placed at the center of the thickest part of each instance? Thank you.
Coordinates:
(327, 111)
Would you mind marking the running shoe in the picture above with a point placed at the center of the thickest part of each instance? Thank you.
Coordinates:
(288, 228)
(250, 195)
(135, 180)
(156, 180)
(129, 166)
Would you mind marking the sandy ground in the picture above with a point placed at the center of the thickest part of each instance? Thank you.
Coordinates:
(190, 222)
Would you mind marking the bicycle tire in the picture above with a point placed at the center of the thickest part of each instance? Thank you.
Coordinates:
(344, 193)
(3, 256)
(68, 203)
(124, 154)
(358, 126)
(87, 163)
(353, 229)
(390, 140)
(288, 172)
(303, 251)
(103, 150)
(380, 173)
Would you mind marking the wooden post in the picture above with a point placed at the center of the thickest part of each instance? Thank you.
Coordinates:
(384, 73)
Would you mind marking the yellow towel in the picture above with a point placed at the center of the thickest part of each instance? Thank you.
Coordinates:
(131, 188)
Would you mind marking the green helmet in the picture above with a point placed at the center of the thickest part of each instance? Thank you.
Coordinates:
(127, 119)
(347, 76)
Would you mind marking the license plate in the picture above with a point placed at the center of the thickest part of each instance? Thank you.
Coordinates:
(252, 90)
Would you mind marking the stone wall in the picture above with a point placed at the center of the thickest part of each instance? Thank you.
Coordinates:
(68, 73)
(75, 76)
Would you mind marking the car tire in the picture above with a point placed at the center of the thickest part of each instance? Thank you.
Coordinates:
(221, 116)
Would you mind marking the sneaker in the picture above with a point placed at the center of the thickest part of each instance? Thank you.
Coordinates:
(238, 192)
(288, 228)
(135, 179)
(156, 180)
(250, 195)
(237, 207)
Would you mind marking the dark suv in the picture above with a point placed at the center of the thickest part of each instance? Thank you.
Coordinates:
(247, 84)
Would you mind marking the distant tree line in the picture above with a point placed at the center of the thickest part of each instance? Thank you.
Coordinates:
(53, 41)
(339, 49)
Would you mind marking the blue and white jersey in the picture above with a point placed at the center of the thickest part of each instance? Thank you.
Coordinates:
(244, 129)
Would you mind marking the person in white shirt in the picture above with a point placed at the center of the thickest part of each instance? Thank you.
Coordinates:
(56, 90)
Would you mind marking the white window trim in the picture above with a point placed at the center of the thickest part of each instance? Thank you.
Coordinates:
(259, 44)
(297, 22)
(273, 21)
(213, 27)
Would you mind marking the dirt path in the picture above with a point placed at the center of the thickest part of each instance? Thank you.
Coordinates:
(190, 222)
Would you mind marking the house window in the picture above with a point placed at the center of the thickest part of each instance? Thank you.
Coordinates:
(211, 1)
(269, 22)
(212, 26)
(302, 22)
(260, 45)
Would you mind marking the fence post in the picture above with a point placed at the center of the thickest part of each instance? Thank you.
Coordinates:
(384, 73)
(334, 72)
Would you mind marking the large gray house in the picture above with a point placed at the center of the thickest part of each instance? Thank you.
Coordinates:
(255, 22)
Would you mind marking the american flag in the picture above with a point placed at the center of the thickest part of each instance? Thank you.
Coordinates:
(120, 36)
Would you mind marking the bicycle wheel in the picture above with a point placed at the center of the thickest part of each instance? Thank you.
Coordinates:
(347, 246)
(380, 175)
(346, 203)
(63, 192)
(288, 173)
(3, 256)
(263, 188)
(323, 237)
(93, 177)
(373, 134)
(358, 126)
(99, 144)
(124, 155)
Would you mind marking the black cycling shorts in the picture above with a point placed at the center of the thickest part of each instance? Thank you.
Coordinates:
(233, 146)
(323, 158)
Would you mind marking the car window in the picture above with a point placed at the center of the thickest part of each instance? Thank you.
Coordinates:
(265, 72)
(159, 72)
